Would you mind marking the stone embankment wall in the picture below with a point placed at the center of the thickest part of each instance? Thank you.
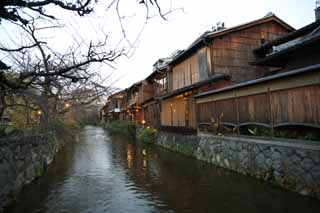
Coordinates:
(293, 165)
(22, 161)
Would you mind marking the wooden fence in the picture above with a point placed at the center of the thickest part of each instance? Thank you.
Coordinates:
(151, 114)
(265, 106)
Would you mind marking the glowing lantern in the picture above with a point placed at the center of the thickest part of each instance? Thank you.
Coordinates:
(67, 105)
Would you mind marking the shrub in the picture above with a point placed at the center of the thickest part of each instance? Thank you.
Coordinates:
(147, 136)
(63, 131)
(124, 128)
(9, 130)
(298, 132)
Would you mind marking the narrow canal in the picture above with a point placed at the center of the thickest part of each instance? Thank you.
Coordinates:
(100, 174)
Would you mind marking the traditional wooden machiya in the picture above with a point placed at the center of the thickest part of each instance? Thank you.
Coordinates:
(284, 104)
(236, 79)
(115, 107)
(296, 50)
(158, 84)
(215, 60)
(137, 94)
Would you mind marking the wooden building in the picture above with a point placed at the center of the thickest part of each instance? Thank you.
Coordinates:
(284, 104)
(137, 94)
(215, 60)
(293, 51)
(115, 107)
(159, 85)
(287, 102)
(261, 76)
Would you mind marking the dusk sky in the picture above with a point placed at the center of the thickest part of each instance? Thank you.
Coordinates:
(159, 38)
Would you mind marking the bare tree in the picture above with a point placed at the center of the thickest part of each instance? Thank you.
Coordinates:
(57, 78)
(48, 77)
(25, 12)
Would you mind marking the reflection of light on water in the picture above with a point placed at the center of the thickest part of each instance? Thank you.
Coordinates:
(129, 156)
(144, 161)
(144, 152)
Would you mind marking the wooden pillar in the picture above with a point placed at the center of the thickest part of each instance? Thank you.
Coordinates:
(238, 114)
(270, 113)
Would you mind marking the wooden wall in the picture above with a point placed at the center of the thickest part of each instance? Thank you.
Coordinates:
(178, 111)
(191, 70)
(290, 101)
(228, 54)
(233, 52)
(298, 105)
(151, 113)
(147, 91)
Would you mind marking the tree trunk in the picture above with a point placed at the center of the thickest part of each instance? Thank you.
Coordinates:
(2, 103)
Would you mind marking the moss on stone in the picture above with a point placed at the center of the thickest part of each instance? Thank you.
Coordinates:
(289, 182)
(185, 150)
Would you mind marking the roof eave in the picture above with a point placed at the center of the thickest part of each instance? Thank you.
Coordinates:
(312, 68)
(196, 86)
(285, 53)
(306, 29)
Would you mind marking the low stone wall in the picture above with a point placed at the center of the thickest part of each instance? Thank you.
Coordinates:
(21, 161)
(293, 165)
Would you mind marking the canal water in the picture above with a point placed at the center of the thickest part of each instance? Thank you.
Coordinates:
(103, 174)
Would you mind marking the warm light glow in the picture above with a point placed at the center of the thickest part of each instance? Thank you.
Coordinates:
(129, 156)
(67, 105)
(39, 112)
(143, 122)
(137, 110)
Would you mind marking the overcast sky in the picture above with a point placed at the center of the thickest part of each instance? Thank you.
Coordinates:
(160, 38)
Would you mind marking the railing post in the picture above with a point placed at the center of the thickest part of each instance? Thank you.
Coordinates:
(238, 114)
(270, 113)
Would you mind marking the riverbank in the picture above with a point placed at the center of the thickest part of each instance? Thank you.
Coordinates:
(293, 165)
(104, 173)
(22, 160)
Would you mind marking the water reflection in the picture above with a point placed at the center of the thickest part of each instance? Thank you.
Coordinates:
(129, 155)
(100, 174)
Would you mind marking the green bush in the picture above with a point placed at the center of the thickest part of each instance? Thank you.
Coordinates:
(123, 128)
(147, 136)
(9, 130)
(63, 131)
